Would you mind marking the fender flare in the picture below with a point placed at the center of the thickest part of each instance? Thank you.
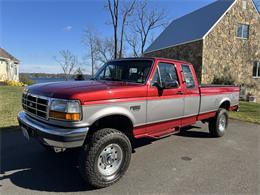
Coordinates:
(224, 100)
(110, 111)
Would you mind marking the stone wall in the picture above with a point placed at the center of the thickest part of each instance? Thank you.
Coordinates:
(190, 52)
(225, 54)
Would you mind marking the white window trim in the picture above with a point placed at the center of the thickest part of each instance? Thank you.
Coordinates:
(243, 26)
(257, 66)
(244, 4)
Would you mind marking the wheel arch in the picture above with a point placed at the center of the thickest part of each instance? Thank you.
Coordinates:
(225, 103)
(118, 120)
(110, 111)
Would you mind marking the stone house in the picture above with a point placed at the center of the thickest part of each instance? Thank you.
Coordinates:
(221, 39)
(9, 66)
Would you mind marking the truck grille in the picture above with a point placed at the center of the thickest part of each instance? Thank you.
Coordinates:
(35, 105)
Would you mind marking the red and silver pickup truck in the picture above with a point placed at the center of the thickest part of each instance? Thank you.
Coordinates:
(128, 99)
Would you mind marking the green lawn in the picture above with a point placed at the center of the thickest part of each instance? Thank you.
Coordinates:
(248, 111)
(10, 105)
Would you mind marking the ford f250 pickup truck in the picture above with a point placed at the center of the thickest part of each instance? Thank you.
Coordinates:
(126, 100)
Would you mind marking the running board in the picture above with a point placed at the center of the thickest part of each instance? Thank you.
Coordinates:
(166, 133)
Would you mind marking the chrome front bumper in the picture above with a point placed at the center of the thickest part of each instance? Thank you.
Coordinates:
(52, 135)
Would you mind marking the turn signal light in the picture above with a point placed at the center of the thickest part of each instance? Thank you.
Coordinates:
(65, 116)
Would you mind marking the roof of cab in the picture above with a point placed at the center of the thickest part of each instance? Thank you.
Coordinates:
(151, 58)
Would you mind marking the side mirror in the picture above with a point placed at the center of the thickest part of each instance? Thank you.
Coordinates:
(157, 85)
(171, 84)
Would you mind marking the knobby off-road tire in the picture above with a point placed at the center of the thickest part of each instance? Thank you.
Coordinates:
(219, 124)
(105, 158)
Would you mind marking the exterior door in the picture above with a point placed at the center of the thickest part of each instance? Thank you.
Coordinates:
(191, 95)
(165, 107)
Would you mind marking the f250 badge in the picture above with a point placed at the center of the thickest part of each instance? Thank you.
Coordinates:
(135, 108)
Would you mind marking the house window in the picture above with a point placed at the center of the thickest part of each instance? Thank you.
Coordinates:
(243, 31)
(16, 70)
(256, 70)
(244, 4)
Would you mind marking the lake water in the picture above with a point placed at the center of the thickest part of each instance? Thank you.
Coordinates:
(46, 80)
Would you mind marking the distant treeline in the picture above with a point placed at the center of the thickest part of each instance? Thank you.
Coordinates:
(46, 75)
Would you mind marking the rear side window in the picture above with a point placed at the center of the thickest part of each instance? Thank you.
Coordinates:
(188, 76)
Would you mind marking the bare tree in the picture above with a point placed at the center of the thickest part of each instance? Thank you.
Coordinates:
(67, 62)
(133, 43)
(126, 12)
(90, 39)
(113, 10)
(100, 50)
(117, 22)
(105, 49)
(147, 19)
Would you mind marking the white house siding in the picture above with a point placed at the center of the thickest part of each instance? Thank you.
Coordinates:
(9, 70)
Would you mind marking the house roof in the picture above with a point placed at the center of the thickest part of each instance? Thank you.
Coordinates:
(5, 54)
(191, 27)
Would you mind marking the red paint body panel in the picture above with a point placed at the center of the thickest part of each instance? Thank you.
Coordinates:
(156, 130)
(88, 91)
(234, 108)
(206, 116)
(109, 92)
(205, 91)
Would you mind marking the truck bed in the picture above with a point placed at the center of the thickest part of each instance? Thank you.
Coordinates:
(212, 96)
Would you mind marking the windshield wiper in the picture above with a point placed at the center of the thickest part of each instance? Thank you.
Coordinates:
(110, 79)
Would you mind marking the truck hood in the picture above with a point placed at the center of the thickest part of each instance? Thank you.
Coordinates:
(89, 90)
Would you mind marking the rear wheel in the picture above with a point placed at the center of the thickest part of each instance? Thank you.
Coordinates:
(106, 158)
(218, 125)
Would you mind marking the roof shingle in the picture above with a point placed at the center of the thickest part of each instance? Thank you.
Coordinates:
(5, 54)
(191, 27)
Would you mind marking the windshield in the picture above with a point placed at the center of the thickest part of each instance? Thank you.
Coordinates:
(134, 71)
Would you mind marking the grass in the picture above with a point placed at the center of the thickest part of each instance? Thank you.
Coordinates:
(10, 105)
(249, 112)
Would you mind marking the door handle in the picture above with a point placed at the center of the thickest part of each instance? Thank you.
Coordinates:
(179, 93)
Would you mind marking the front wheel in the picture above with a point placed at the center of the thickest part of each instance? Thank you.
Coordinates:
(218, 125)
(106, 158)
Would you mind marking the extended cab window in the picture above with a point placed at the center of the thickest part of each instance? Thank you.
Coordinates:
(165, 73)
(188, 76)
(134, 71)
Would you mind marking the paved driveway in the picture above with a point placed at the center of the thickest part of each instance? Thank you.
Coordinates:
(188, 163)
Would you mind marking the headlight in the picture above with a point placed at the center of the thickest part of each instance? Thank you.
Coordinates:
(65, 110)
(25, 90)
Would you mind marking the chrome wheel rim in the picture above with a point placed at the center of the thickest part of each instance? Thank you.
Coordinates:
(110, 160)
(222, 123)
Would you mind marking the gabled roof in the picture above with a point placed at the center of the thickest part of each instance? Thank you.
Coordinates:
(191, 27)
(6, 55)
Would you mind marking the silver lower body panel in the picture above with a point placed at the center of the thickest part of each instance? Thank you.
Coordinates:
(52, 135)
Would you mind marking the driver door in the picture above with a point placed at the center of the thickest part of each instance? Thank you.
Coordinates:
(165, 107)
